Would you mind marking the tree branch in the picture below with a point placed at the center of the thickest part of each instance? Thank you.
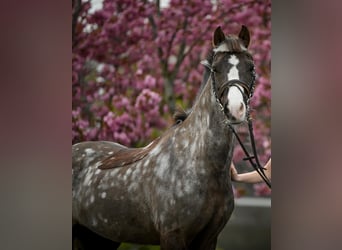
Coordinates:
(180, 55)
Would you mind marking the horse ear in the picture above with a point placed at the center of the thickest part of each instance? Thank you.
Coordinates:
(219, 36)
(244, 35)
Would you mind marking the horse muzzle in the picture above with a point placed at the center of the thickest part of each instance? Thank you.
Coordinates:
(236, 107)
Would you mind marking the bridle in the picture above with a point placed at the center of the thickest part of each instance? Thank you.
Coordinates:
(247, 95)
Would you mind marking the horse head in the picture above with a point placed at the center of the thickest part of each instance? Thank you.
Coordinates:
(232, 72)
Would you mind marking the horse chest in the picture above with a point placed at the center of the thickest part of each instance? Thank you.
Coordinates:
(185, 195)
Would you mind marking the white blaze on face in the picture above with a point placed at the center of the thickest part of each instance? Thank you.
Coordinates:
(236, 104)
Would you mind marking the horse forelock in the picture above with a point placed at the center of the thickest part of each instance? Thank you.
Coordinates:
(232, 44)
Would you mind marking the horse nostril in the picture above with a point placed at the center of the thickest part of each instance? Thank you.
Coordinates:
(232, 118)
(241, 108)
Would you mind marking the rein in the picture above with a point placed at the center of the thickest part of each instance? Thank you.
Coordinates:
(253, 159)
(256, 165)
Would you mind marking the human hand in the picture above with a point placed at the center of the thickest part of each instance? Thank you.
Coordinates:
(233, 173)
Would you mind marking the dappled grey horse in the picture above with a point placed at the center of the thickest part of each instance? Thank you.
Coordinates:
(176, 191)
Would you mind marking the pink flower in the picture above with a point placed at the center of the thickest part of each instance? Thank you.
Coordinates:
(262, 189)
(123, 99)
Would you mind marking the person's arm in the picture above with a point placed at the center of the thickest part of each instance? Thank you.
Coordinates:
(250, 177)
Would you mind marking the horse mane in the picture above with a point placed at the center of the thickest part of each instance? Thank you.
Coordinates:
(126, 156)
(210, 58)
(233, 44)
(180, 115)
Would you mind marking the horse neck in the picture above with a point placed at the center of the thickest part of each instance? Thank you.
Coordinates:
(208, 130)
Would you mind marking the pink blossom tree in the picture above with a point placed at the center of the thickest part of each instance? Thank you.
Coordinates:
(133, 62)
